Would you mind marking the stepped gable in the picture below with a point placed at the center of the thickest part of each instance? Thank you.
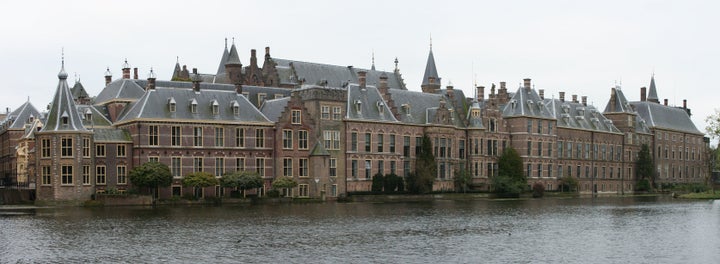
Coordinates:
(366, 103)
(272, 109)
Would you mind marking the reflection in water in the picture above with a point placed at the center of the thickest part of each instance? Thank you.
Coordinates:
(600, 230)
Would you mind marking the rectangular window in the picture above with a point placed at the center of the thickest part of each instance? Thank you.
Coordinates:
(578, 153)
(45, 146)
(406, 146)
(175, 134)
(368, 142)
(121, 151)
(418, 145)
(287, 139)
(302, 139)
(66, 174)
(381, 167)
(443, 144)
(569, 150)
(259, 138)
(86, 174)
(287, 167)
(325, 112)
(260, 166)
(86, 147)
(368, 169)
(176, 166)
(333, 167)
(303, 190)
(333, 190)
(380, 142)
(240, 137)
(539, 170)
(529, 148)
(337, 113)
(121, 174)
(153, 159)
(100, 150)
(239, 164)
(354, 167)
(197, 136)
(539, 126)
(197, 164)
(392, 143)
(353, 141)
(219, 137)
(393, 167)
(153, 135)
(219, 166)
(549, 148)
(561, 149)
(46, 175)
(331, 139)
(296, 117)
(529, 126)
(539, 147)
(406, 168)
(100, 174)
(66, 149)
(461, 149)
(303, 167)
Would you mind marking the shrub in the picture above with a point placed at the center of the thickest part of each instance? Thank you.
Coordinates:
(274, 193)
(538, 190)
(643, 185)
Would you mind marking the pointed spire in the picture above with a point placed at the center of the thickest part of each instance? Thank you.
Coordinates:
(431, 70)
(373, 61)
(396, 64)
(233, 57)
(63, 115)
(652, 94)
(62, 75)
(223, 60)
(431, 42)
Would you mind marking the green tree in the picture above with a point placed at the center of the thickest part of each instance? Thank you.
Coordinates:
(463, 180)
(151, 175)
(568, 183)
(378, 182)
(510, 178)
(644, 166)
(538, 190)
(284, 182)
(392, 183)
(199, 180)
(421, 181)
(242, 180)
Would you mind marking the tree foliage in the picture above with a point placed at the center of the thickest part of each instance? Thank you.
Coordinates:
(243, 180)
(463, 180)
(510, 178)
(644, 165)
(151, 175)
(713, 127)
(393, 183)
(421, 181)
(378, 182)
(199, 179)
(284, 182)
(538, 190)
(568, 183)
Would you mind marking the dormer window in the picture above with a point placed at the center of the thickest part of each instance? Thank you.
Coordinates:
(452, 116)
(31, 118)
(193, 106)
(581, 111)
(406, 108)
(88, 114)
(475, 113)
(64, 118)
(513, 104)
(215, 107)
(171, 104)
(381, 107)
(358, 106)
(235, 108)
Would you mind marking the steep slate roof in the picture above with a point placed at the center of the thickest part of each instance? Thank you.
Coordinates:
(652, 94)
(430, 70)
(223, 60)
(291, 72)
(63, 106)
(121, 89)
(111, 135)
(422, 106)
(21, 116)
(372, 106)
(233, 57)
(617, 102)
(98, 117)
(665, 117)
(576, 115)
(526, 102)
(155, 105)
(78, 91)
(272, 109)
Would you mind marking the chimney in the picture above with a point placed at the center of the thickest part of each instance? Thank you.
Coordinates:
(492, 89)
(253, 58)
(267, 53)
(383, 84)
(684, 103)
(643, 94)
(526, 83)
(362, 79)
(150, 80)
(665, 101)
(480, 93)
(195, 80)
(584, 100)
(108, 76)
(135, 73)
(502, 85)
(126, 70)
(574, 97)
(239, 88)
(450, 91)
(562, 96)
(541, 92)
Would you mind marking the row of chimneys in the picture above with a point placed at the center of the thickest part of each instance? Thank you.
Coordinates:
(643, 97)
(151, 79)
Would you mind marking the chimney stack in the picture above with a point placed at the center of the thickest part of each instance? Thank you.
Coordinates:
(643, 94)
(135, 73)
(665, 101)
(574, 98)
(383, 84)
(126, 70)
(480, 93)
(253, 58)
(684, 103)
(450, 91)
(362, 79)
(195, 80)
(502, 85)
(584, 100)
(239, 88)
(108, 76)
(562, 96)
(267, 52)
(541, 92)
(526, 83)
(150, 80)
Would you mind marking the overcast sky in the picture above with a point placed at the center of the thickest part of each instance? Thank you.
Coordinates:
(580, 47)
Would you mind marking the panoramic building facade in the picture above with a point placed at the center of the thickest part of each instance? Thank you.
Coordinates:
(332, 128)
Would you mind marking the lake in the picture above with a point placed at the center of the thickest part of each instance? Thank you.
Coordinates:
(653, 229)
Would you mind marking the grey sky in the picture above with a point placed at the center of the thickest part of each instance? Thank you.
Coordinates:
(581, 47)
